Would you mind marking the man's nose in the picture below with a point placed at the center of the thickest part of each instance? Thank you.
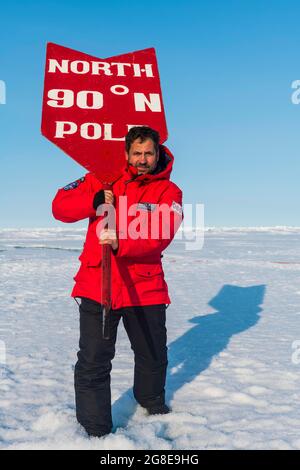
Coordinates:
(143, 158)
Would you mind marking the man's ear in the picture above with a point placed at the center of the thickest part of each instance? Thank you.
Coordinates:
(126, 155)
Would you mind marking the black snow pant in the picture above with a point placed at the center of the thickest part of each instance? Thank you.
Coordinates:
(145, 327)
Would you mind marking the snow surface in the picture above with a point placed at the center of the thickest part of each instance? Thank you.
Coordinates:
(233, 380)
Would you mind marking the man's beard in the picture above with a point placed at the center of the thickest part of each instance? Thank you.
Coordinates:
(141, 167)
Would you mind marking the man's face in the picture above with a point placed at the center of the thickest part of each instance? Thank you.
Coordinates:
(142, 155)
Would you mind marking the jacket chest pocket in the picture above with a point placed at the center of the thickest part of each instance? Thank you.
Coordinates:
(149, 271)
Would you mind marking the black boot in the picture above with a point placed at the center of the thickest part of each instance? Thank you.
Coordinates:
(158, 410)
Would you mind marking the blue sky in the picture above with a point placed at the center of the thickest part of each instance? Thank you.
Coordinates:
(226, 69)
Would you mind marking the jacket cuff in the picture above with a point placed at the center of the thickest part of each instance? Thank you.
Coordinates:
(99, 198)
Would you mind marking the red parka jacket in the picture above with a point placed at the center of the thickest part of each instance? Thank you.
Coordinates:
(137, 274)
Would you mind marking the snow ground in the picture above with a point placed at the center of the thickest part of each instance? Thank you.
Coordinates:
(233, 380)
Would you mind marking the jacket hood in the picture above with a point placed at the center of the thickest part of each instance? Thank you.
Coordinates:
(162, 171)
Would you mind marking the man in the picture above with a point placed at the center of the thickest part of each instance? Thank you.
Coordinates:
(139, 291)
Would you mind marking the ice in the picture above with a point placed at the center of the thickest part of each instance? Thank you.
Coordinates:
(232, 381)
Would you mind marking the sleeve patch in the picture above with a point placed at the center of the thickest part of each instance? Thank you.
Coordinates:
(146, 206)
(176, 208)
(74, 184)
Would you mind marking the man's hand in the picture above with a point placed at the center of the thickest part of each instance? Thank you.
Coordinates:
(109, 237)
(109, 196)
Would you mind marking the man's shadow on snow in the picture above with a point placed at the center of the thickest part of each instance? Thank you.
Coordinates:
(237, 309)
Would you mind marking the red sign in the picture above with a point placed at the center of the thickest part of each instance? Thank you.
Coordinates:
(90, 104)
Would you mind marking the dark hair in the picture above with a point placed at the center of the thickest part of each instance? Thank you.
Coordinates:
(143, 133)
